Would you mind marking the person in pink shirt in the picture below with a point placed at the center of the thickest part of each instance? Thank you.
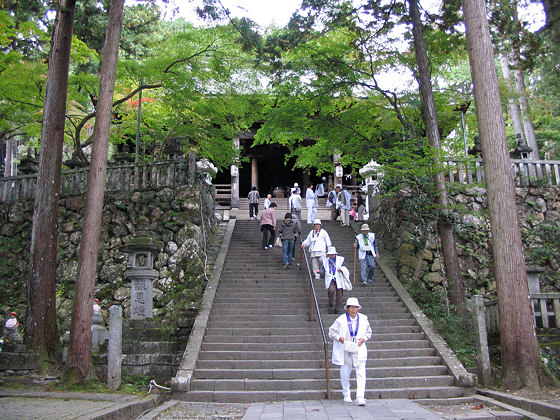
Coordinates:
(268, 225)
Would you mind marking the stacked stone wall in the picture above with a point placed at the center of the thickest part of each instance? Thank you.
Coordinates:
(415, 243)
(182, 218)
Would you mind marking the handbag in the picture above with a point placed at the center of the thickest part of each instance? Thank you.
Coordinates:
(350, 346)
(298, 208)
(278, 242)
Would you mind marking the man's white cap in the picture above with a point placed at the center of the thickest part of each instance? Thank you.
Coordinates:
(317, 222)
(352, 302)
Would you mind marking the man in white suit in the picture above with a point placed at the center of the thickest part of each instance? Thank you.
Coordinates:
(354, 329)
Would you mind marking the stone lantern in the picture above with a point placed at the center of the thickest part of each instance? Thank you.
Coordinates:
(142, 250)
(174, 150)
(522, 151)
(124, 157)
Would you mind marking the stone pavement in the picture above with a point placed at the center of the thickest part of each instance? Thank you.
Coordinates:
(292, 410)
(18, 404)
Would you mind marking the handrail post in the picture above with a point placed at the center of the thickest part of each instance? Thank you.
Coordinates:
(314, 305)
(327, 373)
(311, 317)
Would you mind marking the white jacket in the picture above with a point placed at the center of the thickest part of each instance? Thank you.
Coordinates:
(361, 244)
(310, 199)
(318, 244)
(340, 329)
(338, 261)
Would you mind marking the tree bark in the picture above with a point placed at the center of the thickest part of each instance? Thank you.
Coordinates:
(449, 250)
(80, 364)
(513, 106)
(520, 352)
(41, 332)
(522, 91)
(530, 136)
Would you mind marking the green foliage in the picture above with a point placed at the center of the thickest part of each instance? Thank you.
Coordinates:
(544, 248)
(12, 278)
(457, 332)
(22, 80)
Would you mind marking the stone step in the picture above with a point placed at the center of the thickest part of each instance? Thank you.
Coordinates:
(308, 354)
(242, 331)
(263, 396)
(305, 338)
(311, 325)
(224, 363)
(304, 384)
(225, 300)
(240, 312)
(318, 373)
(273, 339)
(253, 345)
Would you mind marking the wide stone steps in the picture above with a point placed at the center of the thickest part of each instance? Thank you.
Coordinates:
(224, 323)
(307, 354)
(307, 338)
(396, 362)
(296, 395)
(317, 373)
(309, 383)
(252, 346)
(259, 344)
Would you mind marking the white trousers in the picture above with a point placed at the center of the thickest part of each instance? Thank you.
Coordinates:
(345, 216)
(346, 370)
(311, 214)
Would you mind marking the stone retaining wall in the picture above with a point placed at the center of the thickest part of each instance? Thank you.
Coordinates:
(418, 252)
(182, 218)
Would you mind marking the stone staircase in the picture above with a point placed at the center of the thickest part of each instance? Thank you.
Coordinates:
(282, 204)
(259, 344)
(402, 363)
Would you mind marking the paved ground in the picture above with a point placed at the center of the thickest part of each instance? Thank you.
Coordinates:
(34, 405)
(293, 410)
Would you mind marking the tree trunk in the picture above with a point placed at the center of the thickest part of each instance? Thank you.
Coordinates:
(530, 136)
(449, 250)
(41, 332)
(80, 364)
(513, 106)
(520, 352)
(522, 91)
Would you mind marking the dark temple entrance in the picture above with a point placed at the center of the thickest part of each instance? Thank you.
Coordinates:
(265, 163)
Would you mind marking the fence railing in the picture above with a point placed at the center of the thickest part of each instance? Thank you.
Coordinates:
(526, 172)
(145, 176)
(546, 312)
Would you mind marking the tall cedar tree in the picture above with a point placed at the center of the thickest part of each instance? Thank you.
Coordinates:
(445, 229)
(520, 351)
(80, 364)
(41, 332)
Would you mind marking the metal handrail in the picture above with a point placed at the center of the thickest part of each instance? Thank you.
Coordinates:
(313, 302)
